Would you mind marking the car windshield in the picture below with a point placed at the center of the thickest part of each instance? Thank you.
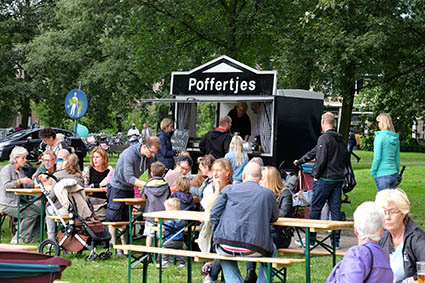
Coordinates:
(16, 135)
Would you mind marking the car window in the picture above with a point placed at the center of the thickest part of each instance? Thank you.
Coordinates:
(16, 135)
(35, 135)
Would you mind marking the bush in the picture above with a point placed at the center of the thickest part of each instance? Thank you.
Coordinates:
(366, 142)
(408, 144)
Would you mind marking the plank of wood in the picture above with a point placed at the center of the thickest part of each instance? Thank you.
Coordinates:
(121, 223)
(179, 214)
(200, 256)
(313, 252)
(18, 247)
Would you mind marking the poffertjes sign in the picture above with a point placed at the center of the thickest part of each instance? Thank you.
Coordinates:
(223, 76)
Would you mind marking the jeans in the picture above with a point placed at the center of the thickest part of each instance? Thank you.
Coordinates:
(231, 270)
(386, 182)
(323, 191)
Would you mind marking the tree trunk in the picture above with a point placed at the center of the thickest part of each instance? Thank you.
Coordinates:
(347, 99)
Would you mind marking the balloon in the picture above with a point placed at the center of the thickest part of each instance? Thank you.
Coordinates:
(82, 131)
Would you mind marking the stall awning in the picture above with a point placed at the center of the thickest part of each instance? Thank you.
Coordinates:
(213, 98)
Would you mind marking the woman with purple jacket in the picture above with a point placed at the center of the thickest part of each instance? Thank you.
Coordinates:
(366, 262)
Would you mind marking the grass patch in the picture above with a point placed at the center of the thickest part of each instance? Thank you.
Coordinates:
(115, 269)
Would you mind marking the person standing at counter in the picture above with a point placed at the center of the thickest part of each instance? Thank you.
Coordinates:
(166, 153)
(217, 140)
(240, 121)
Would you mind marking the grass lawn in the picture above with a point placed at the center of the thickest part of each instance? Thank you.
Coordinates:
(115, 269)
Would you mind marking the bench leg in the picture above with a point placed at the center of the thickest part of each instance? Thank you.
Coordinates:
(269, 273)
(145, 270)
(280, 273)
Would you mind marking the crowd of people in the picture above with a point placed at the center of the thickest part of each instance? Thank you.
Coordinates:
(242, 197)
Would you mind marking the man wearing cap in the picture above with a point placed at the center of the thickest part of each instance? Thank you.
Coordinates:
(133, 131)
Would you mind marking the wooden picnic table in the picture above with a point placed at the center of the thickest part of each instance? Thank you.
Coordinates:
(313, 225)
(23, 197)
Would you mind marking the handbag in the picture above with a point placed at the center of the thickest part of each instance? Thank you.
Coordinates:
(205, 237)
(349, 178)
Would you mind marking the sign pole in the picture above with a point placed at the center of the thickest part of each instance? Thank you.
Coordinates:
(75, 120)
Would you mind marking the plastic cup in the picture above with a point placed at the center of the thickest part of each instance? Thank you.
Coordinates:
(420, 265)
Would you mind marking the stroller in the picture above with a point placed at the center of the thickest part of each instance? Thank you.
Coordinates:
(301, 186)
(76, 235)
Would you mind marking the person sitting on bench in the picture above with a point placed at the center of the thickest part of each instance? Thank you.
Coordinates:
(240, 219)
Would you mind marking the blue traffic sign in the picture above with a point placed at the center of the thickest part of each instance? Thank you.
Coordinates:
(76, 104)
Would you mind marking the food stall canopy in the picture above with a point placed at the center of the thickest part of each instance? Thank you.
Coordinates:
(210, 98)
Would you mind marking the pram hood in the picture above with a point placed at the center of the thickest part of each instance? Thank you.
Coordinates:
(67, 190)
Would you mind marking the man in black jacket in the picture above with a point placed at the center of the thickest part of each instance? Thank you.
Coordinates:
(328, 172)
(217, 141)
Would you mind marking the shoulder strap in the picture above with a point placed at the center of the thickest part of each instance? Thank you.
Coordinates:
(371, 264)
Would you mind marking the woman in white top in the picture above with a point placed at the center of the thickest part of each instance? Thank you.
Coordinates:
(222, 176)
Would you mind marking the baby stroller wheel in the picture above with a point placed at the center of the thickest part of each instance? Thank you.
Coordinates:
(79, 254)
(90, 257)
(105, 255)
(49, 247)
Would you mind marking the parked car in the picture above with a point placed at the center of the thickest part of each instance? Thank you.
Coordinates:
(5, 132)
(31, 140)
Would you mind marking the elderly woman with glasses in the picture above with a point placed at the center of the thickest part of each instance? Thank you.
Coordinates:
(366, 262)
(386, 154)
(402, 239)
(12, 177)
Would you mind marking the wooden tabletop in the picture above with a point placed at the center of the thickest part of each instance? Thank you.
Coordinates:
(314, 225)
(94, 190)
(178, 214)
(131, 201)
(26, 192)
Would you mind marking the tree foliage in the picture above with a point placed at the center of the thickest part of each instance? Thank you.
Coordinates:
(122, 51)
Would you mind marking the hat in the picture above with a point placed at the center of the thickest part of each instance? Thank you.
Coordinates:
(133, 125)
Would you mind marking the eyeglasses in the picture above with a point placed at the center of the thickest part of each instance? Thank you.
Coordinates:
(48, 160)
(391, 213)
(151, 151)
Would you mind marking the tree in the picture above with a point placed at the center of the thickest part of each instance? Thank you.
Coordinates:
(89, 45)
(18, 25)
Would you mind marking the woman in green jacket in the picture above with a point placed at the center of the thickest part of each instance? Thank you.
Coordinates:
(386, 154)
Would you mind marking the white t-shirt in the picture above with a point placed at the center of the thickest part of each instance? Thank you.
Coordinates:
(207, 195)
(132, 131)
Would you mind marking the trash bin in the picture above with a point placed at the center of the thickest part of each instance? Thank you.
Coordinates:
(22, 266)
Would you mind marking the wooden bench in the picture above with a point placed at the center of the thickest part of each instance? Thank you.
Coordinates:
(279, 264)
(313, 252)
(18, 247)
(121, 224)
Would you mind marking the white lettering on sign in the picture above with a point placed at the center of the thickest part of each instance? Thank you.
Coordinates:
(210, 84)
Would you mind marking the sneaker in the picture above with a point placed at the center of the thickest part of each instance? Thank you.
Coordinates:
(120, 253)
(298, 242)
(164, 264)
(181, 265)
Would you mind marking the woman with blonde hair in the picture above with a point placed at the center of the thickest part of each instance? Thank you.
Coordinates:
(402, 240)
(237, 157)
(222, 172)
(166, 153)
(270, 178)
(386, 154)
